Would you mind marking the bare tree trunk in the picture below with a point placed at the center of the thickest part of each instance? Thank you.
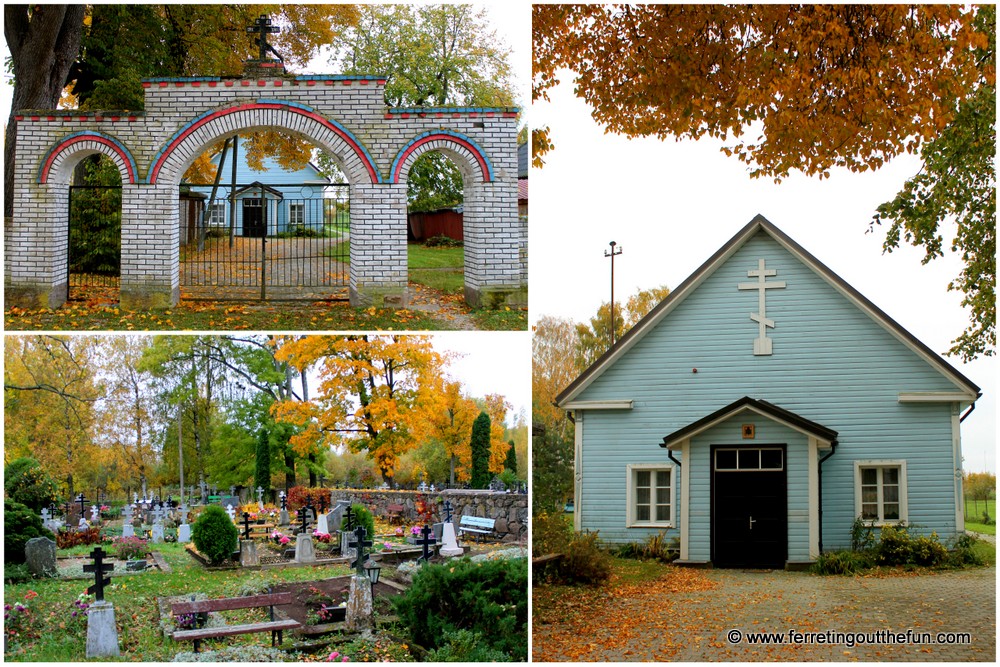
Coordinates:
(44, 40)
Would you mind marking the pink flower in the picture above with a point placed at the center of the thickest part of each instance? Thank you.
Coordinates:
(284, 540)
(415, 530)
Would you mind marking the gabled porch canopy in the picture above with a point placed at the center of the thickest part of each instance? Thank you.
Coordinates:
(823, 435)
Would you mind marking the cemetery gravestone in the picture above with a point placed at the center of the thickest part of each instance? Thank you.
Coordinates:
(449, 541)
(359, 599)
(231, 512)
(425, 542)
(102, 634)
(157, 536)
(40, 556)
(127, 529)
(184, 530)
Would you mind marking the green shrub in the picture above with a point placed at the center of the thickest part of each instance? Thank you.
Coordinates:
(488, 598)
(362, 516)
(465, 646)
(20, 524)
(841, 562)
(16, 573)
(550, 533)
(927, 551)
(894, 547)
(442, 241)
(26, 482)
(584, 561)
(963, 552)
(214, 534)
(862, 535)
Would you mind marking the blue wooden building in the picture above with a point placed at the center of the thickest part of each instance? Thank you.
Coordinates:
(760, 409)
(274, 201)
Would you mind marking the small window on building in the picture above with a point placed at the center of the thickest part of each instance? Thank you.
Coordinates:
(650, 495)
(297, 214)
(217, 215)
(749, 459)
(881, 491)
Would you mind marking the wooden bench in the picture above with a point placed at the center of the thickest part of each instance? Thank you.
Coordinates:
(258, 531)
(479, 527)
(225, 604)
(395, 513)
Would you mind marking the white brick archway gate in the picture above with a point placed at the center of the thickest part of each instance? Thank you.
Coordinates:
(343, 115)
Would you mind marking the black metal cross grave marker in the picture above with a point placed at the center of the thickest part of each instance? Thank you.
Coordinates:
(263, 27)
(246, 525)
(350, 518)
(99, 568)
(447, 511)
(426, 542)
(360, 543)
(304, 518)
(83, 504)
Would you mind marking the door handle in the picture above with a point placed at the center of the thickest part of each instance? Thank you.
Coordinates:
(752, 522)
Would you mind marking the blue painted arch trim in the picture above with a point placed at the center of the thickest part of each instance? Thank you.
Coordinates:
(88, 135)
(433, 135)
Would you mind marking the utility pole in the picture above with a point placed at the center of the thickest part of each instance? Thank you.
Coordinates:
(612, 254)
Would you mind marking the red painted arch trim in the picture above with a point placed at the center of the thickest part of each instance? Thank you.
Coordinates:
(43, 176)
(193, 126)
(484, 165)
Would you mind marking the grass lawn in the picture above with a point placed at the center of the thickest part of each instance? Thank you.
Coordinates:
(53, 634)
(439, 268)
(974, 515)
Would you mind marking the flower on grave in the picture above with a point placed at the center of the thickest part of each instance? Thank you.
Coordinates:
(336, 656)
(321, 537)
(386, 546)
(104, 508)
(399, 531)
(276, 535)
(284, 539)
(415, 531)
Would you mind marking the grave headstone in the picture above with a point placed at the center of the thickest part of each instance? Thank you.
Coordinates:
(184, 530)
(497, 485)
(135, 565)
(127, 529)
(40, 556)
(248, 553)
(246, 525)
(260, 497)
(359, 598)
(231, 512)
(102, 634)
(95, 514)
(226, 501)
(305, 552)
(426, 541)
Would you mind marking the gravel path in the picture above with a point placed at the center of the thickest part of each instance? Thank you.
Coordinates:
(694, 625)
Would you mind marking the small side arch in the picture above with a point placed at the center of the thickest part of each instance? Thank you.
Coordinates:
(469, 156)
(57, 166)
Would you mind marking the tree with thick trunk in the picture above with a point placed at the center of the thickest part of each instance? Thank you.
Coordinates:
(44, 40)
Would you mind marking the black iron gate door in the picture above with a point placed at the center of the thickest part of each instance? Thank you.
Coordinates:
(274, 242)
(95, 241)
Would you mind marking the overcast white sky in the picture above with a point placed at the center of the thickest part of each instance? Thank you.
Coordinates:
(669, 205)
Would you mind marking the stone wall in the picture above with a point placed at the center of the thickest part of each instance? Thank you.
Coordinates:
(509, 509)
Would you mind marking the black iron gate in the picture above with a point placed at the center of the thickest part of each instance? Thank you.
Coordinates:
(267, 242)
(95, 241)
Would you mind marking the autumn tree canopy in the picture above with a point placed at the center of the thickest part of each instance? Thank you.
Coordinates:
(806, 88)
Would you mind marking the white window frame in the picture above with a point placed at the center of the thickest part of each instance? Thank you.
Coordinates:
(631, 520)
(292, 208)
(882, 463)
(217, 214)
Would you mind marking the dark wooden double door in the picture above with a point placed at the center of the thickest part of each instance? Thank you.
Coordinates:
(749, 507)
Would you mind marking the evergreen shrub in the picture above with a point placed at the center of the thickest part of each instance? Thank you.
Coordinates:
(20, 524)
(362, 516)
(214, 534)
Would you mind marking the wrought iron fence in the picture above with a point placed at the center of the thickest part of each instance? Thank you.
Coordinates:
(268, 242)
(94, 256)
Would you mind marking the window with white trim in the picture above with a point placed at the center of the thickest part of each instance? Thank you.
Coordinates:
(650, 495)
(297, 214)
(880, 491)
(217, 215)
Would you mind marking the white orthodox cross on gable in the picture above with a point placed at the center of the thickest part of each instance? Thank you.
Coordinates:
(762, 344)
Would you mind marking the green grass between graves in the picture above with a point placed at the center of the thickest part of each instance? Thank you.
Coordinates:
(59, 637)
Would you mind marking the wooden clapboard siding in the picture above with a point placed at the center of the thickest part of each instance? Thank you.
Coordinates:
(832, 363)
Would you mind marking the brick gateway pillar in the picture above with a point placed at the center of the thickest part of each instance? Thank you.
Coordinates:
(343, 115)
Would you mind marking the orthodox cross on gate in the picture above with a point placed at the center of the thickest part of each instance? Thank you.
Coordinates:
(350, 518)
(263, 28)
(360, 543)
(99, 568)
(246, 525)
(447, 511)
(762, 344)
(426, 542)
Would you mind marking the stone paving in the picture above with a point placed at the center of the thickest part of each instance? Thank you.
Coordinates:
(694, 626)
